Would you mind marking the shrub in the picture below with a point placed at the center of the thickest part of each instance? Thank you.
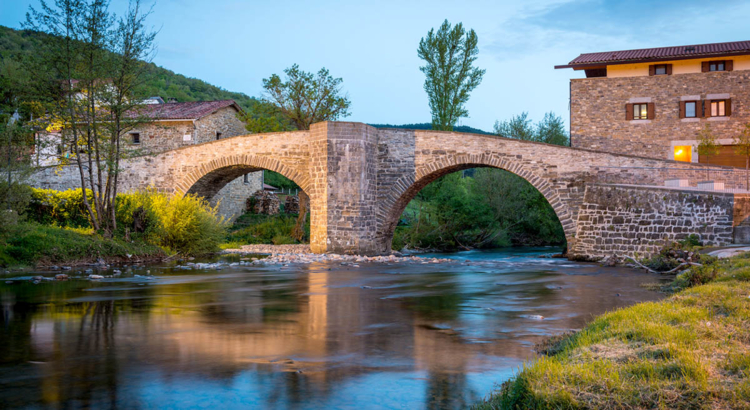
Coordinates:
(61, 208)
(187, 225)
(697, 275)
(16, 197)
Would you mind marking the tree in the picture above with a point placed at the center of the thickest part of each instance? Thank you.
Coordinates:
(449, 57)
(262, 117)
(306, 98)
(91, 72)
(707, 146)
(551, 130)
(518, 127)
(742, 147)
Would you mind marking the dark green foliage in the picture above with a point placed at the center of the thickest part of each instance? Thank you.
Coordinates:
(264, 229)
(17, 44)
(493, 208)
(278, 181)
(550, 130)
(428, 126)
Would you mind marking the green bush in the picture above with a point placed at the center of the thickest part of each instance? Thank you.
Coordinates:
(697, 275)
(16, 197)
(187, 225)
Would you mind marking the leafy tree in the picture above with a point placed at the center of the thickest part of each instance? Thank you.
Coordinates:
(449, 57)
(518, 127)
(264, 117)
(305, 98)
(551, 130)
(742, 147)
(91, 72)
(707, 146)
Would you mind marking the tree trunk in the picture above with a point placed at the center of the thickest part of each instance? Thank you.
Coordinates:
(747, 174)
(298, 232)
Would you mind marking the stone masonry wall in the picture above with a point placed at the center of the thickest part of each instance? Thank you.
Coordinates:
(598, 121)
(638, 221)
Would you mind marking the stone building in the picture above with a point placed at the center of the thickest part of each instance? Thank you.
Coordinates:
(652, 102)
(174, 125)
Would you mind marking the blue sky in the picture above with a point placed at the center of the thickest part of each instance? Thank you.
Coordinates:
(372, 45)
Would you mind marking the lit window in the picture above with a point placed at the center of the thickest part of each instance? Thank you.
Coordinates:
(718, 108)
(660, 69)
(136, 138)
(640, 111)
(716, 66)
(690, 109)
(683, 153)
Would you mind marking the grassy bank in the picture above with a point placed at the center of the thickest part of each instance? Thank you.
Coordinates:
(689, 351)
(251, 229)
(27, 244)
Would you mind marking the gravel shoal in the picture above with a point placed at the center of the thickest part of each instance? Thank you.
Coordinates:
(284, 254)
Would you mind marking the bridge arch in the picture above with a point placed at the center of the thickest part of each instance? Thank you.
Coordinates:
(408, 186)
(208, 178)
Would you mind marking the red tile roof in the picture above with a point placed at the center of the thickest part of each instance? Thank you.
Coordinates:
(185, 110)
(660, 54)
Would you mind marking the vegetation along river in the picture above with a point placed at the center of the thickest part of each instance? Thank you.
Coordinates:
(322, 335)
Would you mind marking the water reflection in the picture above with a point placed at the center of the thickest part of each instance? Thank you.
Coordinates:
(323, 335)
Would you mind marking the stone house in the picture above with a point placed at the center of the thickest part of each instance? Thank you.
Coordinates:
(652, 102)
(174, 125)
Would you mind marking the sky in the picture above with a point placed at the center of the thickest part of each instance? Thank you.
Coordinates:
(372, 45)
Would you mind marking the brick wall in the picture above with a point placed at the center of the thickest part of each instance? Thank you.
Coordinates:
(598, 111)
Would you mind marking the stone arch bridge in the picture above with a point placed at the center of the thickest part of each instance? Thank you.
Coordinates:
(360, 179)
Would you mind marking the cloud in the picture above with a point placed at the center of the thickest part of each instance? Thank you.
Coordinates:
(596, 25)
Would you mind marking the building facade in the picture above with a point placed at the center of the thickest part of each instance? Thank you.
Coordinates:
(653, 102)
(174, 125)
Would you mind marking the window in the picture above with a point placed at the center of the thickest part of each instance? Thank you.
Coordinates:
(719, 108)
(660, 69)
(640, 111)
(218, 135)
(683, 153)
(716, 66)
(691, 109)
(720, 65)
(247, 181)
(136, 138)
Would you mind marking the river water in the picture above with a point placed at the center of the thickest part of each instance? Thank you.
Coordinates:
(325, 335)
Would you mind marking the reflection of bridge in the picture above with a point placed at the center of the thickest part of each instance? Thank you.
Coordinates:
(360, 179)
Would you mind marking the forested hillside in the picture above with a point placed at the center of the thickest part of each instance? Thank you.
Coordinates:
(428, 126)
(17, 44)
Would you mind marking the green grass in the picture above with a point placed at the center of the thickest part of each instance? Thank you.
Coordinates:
(689, 351)
(28, 244)
(263, 229)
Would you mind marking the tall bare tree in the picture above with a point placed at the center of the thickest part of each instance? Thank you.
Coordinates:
(449, 57)
(95, 64)
(707, 145)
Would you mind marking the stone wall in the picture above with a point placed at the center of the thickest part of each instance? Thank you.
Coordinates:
(598, 121)
(635, 221)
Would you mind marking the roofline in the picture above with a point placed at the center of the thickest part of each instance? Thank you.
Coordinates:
(648, 60)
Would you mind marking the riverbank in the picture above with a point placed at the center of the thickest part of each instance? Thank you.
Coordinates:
(691, 350)
(32, 244)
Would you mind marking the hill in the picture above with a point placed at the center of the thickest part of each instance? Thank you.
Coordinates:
(15, 44)
(428, 126)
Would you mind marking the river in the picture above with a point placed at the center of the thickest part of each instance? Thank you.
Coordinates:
(324, 335)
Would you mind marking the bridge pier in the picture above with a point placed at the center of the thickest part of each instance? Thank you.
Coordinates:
(343, 168)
